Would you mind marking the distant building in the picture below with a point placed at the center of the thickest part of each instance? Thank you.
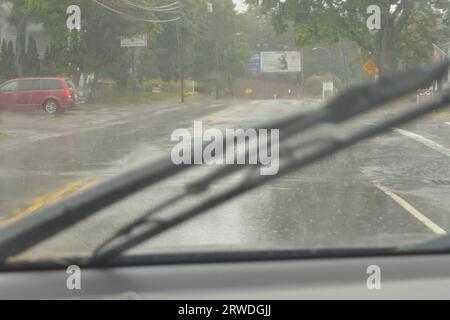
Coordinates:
(8, 32)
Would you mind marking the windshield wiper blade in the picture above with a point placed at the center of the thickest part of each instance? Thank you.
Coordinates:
(151, 227)
(439, 244)
(47, 222)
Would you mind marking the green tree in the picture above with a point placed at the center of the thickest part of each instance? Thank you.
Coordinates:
(24, 12)
(7, 61)
(216, 45)
(325, 21)
(32, 61)
(93, 49)
(426, 27)
(166, 52)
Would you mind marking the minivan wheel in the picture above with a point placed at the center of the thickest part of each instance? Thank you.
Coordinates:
(51, 106)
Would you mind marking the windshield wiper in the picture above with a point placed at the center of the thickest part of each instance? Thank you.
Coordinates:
(355, 101)
(439, 244)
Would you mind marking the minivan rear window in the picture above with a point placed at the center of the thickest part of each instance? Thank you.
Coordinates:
(70, 84)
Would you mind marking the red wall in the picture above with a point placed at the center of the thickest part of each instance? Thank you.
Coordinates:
(265, 89)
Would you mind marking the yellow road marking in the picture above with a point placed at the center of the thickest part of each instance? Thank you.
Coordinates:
(87, 186)
(50, 198)
(214, 117)
(440, 115)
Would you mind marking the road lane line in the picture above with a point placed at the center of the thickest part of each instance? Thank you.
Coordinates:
(47, 199)
(440, 115)
(87, 186)
(425, 141)
(413, 211)
(211, 119)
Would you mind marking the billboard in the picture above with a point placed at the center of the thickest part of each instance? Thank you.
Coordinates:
(255, 63)
(280, 61)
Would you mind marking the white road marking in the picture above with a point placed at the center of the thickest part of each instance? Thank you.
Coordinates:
(413, 211)
(447, 123)
(434, 146)
(425, 141)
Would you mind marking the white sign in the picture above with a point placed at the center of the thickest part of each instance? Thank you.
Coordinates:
(327, 89)
(328, 86)
(139, 40)
(281, 61)
(209, 7)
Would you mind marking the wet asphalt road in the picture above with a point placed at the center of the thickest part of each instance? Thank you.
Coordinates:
(389, 190)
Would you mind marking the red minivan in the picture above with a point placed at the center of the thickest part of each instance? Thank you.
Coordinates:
(49, 94)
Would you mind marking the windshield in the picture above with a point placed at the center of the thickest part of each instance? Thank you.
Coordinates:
(196, 82)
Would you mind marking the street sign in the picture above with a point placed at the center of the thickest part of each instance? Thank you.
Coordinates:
(328, 86)
(156, 88)
(424, 95)
(139, 40)
(327, 89)
(209, 7)
(370, 67)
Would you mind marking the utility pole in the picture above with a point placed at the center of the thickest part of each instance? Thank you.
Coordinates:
(210, 9)
(180, 59)
(216, 64)
(302, 74)
(133, 68)
(345, 63)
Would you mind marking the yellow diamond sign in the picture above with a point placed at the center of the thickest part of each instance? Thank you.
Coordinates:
(370, 67)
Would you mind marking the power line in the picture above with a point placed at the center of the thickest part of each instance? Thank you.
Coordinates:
(129, 16)
(176, 3)
(195, 29)
(198, 29)
(173, 8)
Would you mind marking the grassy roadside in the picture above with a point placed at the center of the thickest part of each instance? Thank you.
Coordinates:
(137, 97)
(408, 99)
(107, 92)
(6, 134)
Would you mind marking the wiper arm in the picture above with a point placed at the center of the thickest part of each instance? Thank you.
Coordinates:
(47, 222)
(354, 102)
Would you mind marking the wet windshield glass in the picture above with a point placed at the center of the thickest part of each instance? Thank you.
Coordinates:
(95, 88)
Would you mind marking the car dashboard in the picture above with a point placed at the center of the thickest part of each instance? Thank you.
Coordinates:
(424, 276)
